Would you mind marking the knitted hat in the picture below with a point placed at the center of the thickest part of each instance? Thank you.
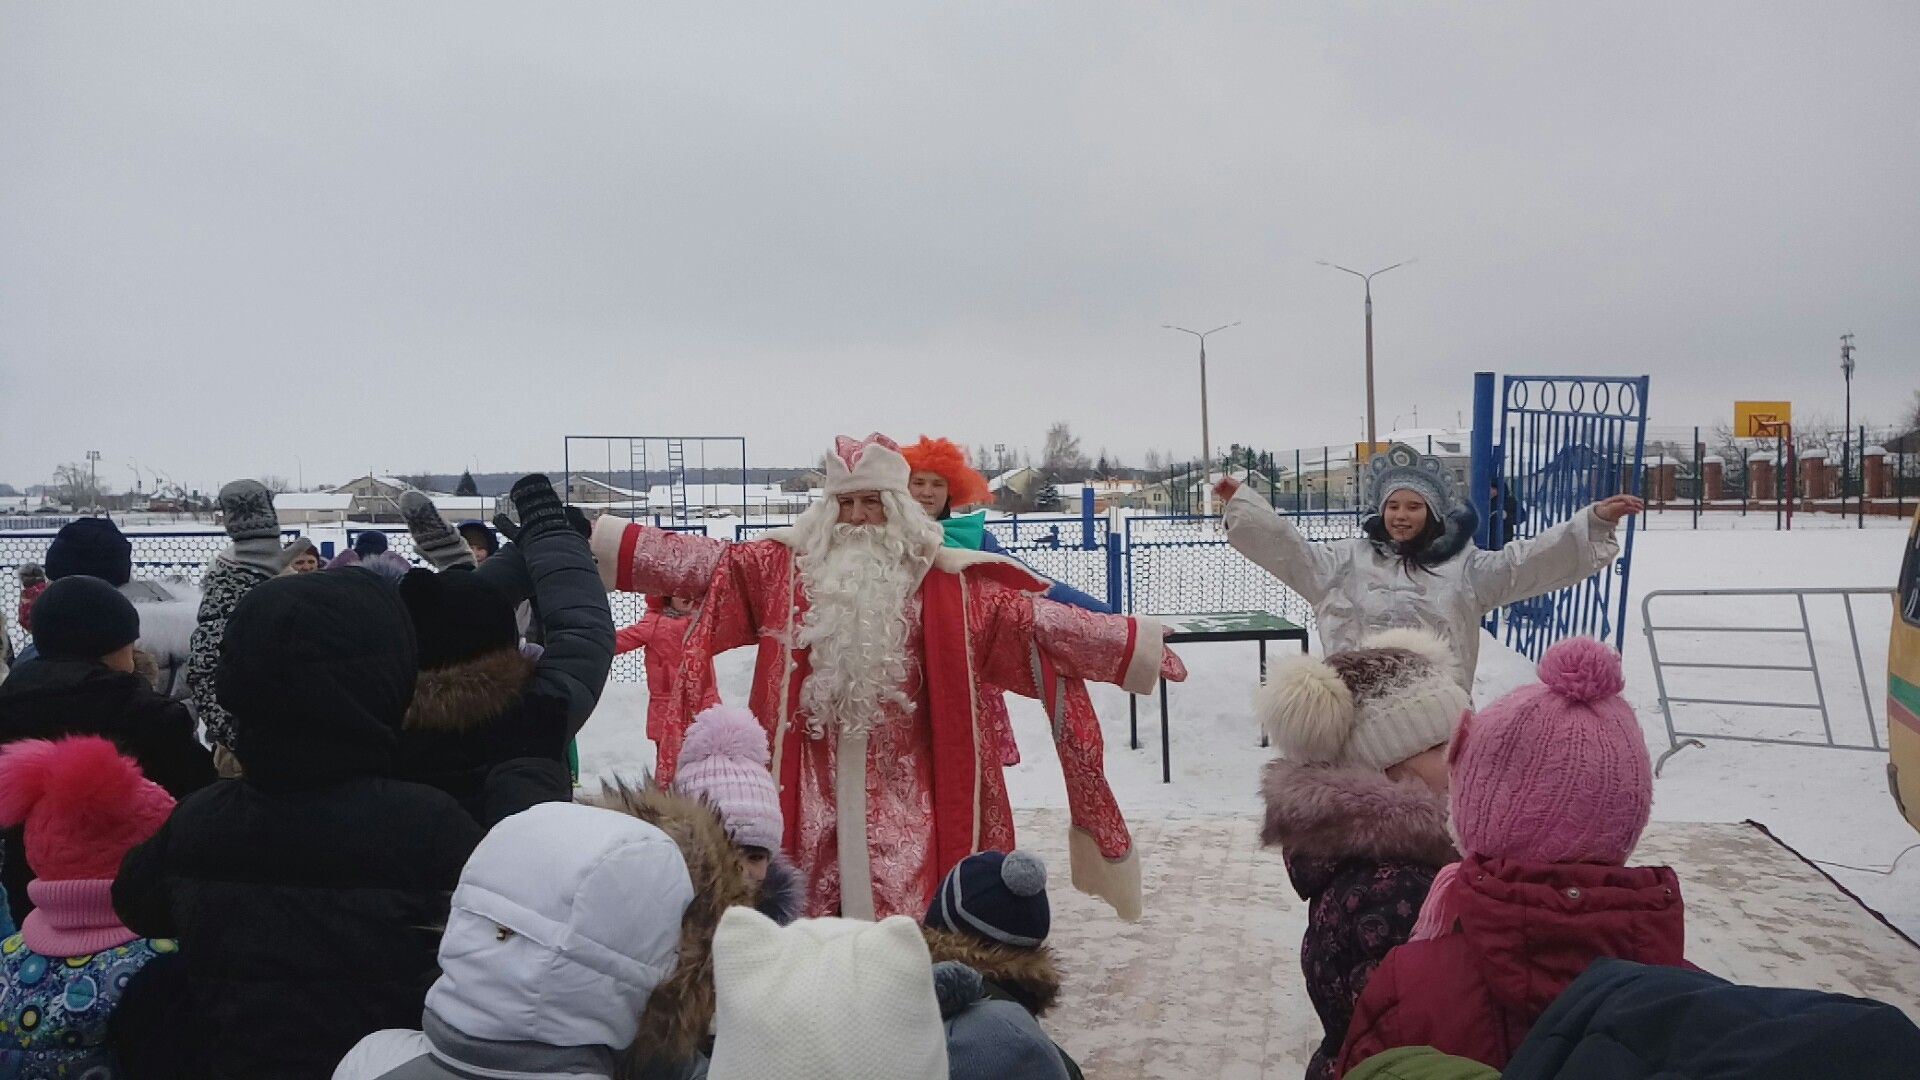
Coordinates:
(83, 618)
(1371, 707)
(724, 761)
(370, 542)
(566, 920)
(965, 487)
(996, 896)
(83, 807)
(91, 546)
(1402, 468)
(32, 573)
(870, 464)
(1554, 772)
(457, 616)
(987, 1038)
(824, 998)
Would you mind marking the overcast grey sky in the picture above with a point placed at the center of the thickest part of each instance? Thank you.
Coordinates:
(245, 238)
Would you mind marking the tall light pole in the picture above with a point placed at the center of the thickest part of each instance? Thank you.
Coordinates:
(1846, 434)
(1206, 435)
(93, 484)
(1372, 433)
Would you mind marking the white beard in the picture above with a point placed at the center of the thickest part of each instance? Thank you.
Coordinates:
(861, 583)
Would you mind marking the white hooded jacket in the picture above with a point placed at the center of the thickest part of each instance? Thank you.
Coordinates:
(565, 920)
(1357, 590)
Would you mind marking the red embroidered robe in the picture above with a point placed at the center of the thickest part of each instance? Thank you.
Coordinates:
(876, 841)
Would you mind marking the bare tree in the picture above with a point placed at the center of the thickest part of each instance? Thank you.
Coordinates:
(1912, 419)
(1062, 453)
(77, 486)
(1154, 463)
(277, 485)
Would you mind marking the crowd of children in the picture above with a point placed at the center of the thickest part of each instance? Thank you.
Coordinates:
(373, 865)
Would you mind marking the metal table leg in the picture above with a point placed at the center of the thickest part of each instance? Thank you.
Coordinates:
(1166, 754)
(1263, 682)
(1133, 721)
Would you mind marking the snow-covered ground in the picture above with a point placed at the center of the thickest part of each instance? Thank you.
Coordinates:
(1831, 805)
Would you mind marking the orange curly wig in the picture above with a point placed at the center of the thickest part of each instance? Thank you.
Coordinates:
(965, 487)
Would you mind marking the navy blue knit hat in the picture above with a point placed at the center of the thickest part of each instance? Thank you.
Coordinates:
(995, 896)
(81, 617)
(94, 547)
(370, 542)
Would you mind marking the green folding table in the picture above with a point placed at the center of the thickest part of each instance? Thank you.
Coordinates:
(1258, 626)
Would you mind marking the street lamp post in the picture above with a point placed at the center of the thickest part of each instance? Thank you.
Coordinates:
(1206, 435)
(1367, 279)
(93, 483)
(1846, 434)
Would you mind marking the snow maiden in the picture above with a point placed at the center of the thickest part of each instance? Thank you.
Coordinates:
(1417, 565)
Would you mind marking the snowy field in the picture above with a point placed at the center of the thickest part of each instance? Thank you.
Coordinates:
(1831, 805)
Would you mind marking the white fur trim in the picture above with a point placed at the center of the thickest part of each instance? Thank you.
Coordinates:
(1306, 710)
(1419, 642)
(850, 802)
(1117, 881)
(608, 532)
(1142, 672)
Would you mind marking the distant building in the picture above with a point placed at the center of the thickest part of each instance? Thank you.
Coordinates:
(375, 498)
(1016, 489)
(311, 507)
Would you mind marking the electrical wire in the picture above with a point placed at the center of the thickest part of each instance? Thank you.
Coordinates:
(1888, 872)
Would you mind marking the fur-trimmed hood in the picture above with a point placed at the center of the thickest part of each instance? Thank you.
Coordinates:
(680, 1013)
(1030, 977)
(783, 896)
(1339, 812)
(1457, 532)
(465, 697)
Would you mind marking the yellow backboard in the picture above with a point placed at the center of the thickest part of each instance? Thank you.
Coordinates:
(1364, 453)
(1761, 419)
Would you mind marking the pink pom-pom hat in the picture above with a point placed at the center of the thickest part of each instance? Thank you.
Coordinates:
(1557, 771)
(724, 761)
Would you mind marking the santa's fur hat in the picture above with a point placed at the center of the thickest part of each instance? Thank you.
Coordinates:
(870, 464)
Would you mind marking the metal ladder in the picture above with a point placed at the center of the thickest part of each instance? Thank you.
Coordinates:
(637, 479)
(677, 479)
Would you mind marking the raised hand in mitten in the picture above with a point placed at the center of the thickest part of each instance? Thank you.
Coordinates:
(436, 541)
(541, 511)
(246, 511)
(577, 519)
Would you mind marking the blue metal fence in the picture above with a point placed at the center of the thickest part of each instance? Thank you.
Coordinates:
(1562, 443)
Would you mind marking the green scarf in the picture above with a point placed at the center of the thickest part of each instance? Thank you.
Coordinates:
(966, 531)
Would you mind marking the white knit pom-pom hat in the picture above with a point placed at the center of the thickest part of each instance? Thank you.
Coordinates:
(1373, 707)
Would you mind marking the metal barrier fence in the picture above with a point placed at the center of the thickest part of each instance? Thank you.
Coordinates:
(156, 555)
(1802, 642)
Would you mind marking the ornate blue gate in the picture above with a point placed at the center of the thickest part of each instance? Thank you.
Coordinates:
(1562, 442)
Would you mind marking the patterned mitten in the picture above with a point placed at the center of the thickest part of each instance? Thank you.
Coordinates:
(246, 509)
(541, 511)
(436, 541)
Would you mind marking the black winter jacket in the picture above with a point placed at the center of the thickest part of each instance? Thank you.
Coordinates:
(492, 731)
(308, 896)
(53, 698)
(1622, 1021)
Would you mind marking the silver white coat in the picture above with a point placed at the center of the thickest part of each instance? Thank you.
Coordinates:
(1356, 590)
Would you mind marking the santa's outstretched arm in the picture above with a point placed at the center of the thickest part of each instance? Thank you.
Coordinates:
(1127, 650)
(643, 559)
